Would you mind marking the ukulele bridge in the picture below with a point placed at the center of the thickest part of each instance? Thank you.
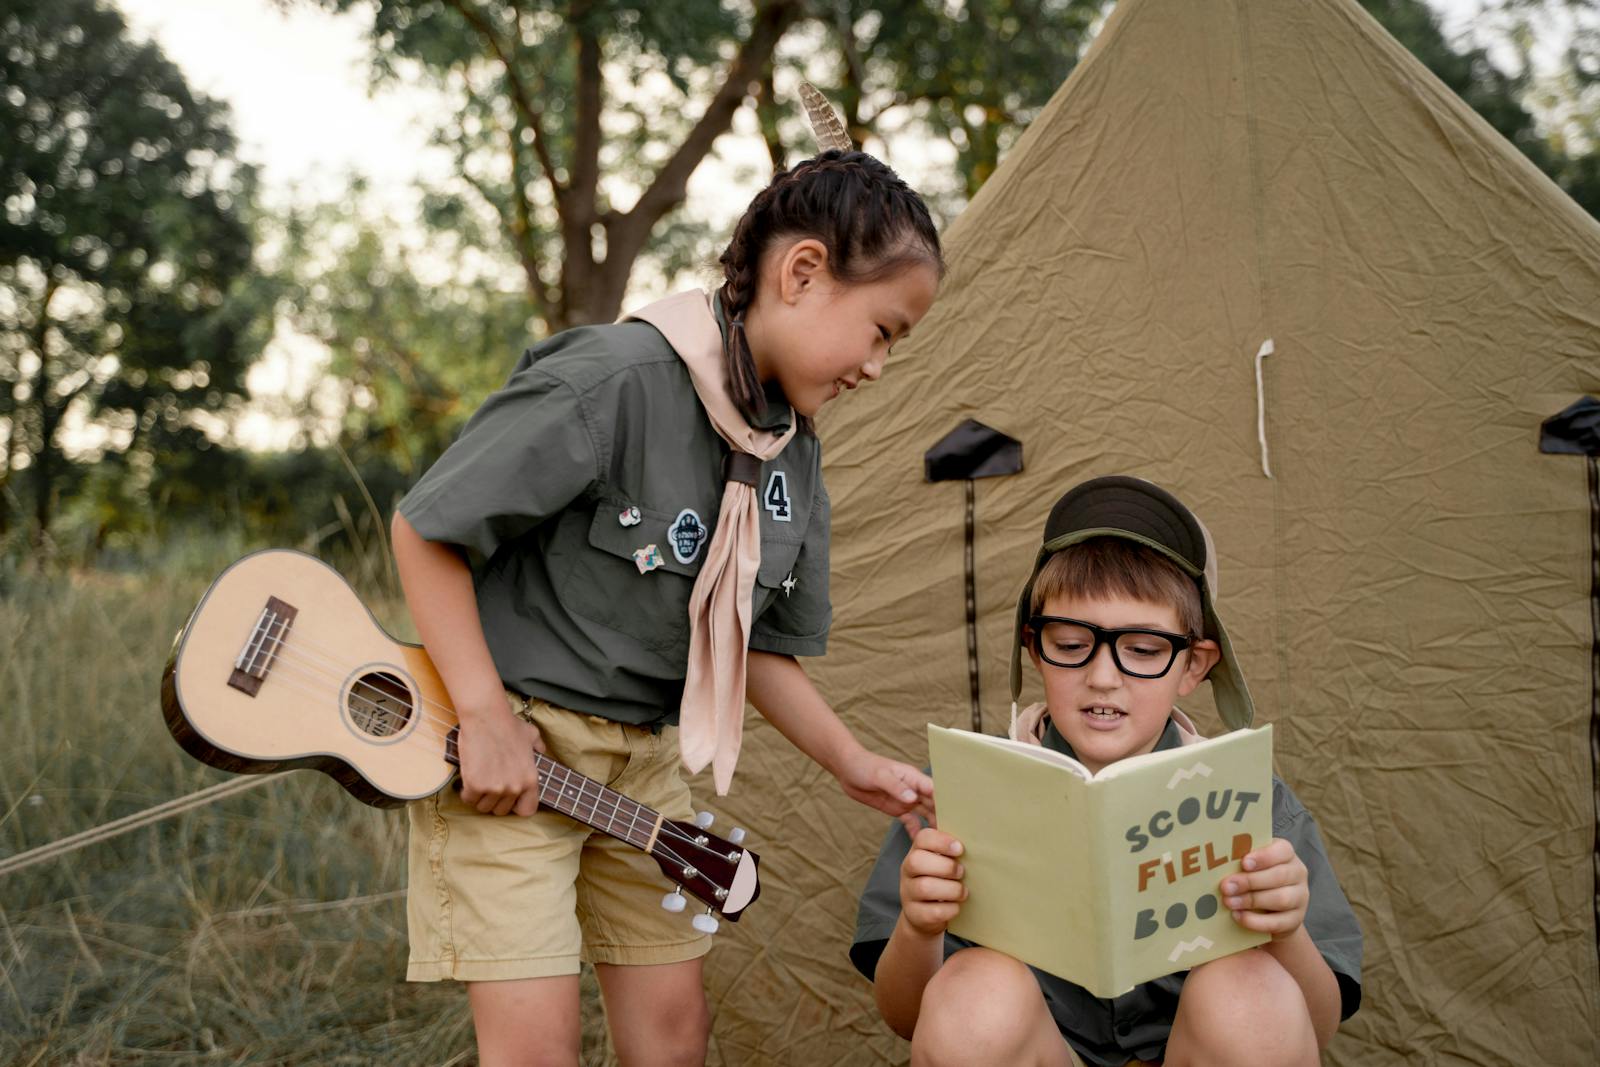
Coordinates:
(260, 649)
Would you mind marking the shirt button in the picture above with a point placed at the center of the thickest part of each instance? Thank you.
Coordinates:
(1124, 1029)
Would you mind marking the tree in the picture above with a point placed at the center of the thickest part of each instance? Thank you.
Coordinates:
(126, 316)
(579, 174)
(418, 329)
(974, 73)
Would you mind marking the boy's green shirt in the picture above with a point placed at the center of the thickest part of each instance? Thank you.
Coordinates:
(1109, 1033)
(593, 422)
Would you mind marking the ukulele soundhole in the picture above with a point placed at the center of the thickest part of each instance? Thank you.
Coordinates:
(379, 704)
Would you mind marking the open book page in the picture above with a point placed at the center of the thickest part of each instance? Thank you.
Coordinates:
(1025, 871)
(1110, 881)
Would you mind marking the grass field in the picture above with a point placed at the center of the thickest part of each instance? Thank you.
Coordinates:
(267, 928)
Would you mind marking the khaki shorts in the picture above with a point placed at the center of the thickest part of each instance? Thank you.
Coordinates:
(494, 897)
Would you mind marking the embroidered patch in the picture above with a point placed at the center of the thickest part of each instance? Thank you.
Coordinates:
(647, 558)
(688, 533)
(776, 498)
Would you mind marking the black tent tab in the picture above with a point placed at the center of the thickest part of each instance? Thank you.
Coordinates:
(1573, 432)
(972, 450)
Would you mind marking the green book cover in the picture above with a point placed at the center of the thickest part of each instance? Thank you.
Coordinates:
(1105, 880)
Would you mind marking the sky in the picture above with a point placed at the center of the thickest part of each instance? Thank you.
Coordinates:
(297, 84)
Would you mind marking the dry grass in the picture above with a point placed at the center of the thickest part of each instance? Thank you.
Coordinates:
(267, 928)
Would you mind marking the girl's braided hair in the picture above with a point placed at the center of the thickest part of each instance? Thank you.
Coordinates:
(872, 223)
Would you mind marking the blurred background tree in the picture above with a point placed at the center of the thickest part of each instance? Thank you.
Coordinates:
(580, 122)
(126, 306)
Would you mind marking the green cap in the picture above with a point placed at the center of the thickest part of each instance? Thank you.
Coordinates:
(1143, 512)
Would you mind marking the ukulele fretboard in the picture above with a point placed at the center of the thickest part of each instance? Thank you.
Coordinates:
(582, 798)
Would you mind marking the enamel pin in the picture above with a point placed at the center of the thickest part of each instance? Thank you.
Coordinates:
(789, 583)
(688, 533)
(629, 516)
(647, 558)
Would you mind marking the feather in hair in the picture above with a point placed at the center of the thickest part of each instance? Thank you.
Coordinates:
(825, 123)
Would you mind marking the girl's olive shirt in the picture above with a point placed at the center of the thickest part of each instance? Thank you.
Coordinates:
(594, 450)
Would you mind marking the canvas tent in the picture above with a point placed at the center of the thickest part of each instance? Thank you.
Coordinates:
(1409, 589)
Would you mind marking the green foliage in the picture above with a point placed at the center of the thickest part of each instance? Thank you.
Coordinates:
(1498, 95)
(576, 124)
(418, 330)
(127, 310)
(974, 74)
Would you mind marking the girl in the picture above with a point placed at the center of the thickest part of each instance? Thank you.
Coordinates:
(633, 507)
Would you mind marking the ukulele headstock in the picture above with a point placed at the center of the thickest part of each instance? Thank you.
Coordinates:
(721, 873)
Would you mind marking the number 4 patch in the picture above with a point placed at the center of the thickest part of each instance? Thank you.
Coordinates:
(776, 498)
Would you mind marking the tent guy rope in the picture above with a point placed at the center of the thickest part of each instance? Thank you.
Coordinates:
(127, 823)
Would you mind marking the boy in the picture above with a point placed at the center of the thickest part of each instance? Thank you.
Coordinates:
(1119, 620)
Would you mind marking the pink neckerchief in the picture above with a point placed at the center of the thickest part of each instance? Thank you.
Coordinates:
(1029, 725)
(711, 717)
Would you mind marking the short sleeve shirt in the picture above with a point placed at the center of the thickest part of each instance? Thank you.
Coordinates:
(1109, 1033)
(595, 449)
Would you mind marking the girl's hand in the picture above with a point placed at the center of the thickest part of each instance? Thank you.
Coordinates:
(930, 882)
(1272, 894)
(898, 789)
(498, 772)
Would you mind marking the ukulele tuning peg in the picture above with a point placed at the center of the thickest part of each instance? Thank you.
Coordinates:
(737, 836)
(706, 923)
(704, 820)
(675, 902)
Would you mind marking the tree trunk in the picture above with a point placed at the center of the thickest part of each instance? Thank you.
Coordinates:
(598, 297)
(42, 473)
(43, 466)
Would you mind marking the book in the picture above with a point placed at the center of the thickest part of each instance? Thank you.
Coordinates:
(1110, 879)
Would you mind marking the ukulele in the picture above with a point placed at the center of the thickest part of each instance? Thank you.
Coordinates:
(281, 666)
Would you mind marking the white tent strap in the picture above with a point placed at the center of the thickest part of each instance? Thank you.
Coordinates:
(94, 835)
(1263, 352)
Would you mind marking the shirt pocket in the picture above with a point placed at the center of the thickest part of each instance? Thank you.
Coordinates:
(601, 580)
(778, 555)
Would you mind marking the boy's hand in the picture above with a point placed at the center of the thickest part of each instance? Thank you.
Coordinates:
(498, 772)
(1271, 894)
(895, 788)
(930, 882)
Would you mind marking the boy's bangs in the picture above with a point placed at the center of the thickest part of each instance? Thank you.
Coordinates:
(1115, 567)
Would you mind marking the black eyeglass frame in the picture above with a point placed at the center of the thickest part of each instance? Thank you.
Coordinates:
(1103, 636)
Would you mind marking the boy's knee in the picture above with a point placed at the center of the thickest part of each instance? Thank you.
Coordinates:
(979, 1007)
(1243, 1010)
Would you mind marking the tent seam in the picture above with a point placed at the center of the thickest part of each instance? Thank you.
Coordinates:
(1258, 220)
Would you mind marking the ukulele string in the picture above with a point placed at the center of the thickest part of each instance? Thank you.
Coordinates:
(305, 668)
(334, 671)
(559, 780)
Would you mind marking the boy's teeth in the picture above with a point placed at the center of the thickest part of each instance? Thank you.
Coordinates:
(1104, 713)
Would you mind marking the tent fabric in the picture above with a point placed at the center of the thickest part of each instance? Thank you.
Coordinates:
(1408, 591)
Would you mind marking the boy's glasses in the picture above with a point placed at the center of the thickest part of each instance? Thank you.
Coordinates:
(1074, 643)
